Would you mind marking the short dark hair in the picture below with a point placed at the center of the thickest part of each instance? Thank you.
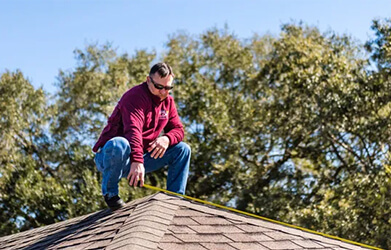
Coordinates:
(163, 70)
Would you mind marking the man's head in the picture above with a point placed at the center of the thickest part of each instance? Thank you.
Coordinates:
(160, 80)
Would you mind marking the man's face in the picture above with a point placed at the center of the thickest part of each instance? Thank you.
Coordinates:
(156, 82)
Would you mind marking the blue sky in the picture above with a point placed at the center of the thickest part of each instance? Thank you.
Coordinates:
(38, 37)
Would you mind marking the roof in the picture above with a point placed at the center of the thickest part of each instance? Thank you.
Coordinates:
(163, 221)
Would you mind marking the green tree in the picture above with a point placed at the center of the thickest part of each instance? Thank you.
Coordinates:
(30, 193)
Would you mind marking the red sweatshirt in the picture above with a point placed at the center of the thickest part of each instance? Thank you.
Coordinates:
(140, 117)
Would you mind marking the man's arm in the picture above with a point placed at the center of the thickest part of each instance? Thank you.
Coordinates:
(132, 113)
(110, 129)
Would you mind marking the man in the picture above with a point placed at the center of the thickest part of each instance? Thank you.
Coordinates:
(131, 144)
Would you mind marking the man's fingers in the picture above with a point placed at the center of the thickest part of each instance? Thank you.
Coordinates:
(132, 180)
(154, 152)
(157, 152)
(152, 145)
(141, 180)
(135, 177)
(162, 153)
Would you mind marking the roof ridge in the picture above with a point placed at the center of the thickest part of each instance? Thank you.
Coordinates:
(144, 220)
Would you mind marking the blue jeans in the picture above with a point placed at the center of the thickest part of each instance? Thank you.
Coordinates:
(113, 162)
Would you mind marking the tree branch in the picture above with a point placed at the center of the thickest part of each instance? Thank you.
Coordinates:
(348, 148)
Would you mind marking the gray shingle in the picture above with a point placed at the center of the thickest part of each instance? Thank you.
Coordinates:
(281, 236)
(281, 245)
(253, 229)
(260, 237)
(203, 238)
(184, 246)
(218, 246)
(211, 220)
(307, 243)
(240, 237)
(170, 238)
(184, 221)
(180, 229)
(210, 229)
(247, 246)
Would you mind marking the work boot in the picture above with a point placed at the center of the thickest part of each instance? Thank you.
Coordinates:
(114, 202)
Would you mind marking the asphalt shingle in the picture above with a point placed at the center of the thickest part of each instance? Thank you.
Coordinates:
(162, 221)
(218, 246)
(211, 220)
(184, 221)
(281, 236)
(188, 246)
(307, 243)
(240, 237)
(281, 245)
(180, 229)
(247, 246)
(210, 229)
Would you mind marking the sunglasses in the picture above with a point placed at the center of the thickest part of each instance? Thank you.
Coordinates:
(160, 87)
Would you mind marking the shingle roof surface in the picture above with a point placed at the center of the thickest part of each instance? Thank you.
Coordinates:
(162, 221)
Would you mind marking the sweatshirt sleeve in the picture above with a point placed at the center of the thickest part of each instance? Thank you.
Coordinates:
(111, 129)
(174, 128)
(132, 112)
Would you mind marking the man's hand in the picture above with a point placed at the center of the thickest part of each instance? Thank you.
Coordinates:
(159, 146)
(136, 174)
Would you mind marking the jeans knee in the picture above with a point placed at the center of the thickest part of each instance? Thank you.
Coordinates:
(119, 146)
(185, 148)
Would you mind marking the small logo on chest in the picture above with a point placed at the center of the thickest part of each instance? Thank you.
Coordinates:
(163, 114)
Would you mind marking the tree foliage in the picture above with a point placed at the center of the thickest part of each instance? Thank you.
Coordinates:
(294, 127)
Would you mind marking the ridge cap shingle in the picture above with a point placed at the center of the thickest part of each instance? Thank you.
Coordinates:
(141, 222)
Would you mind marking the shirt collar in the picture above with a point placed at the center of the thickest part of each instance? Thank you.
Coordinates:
(155, 99)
